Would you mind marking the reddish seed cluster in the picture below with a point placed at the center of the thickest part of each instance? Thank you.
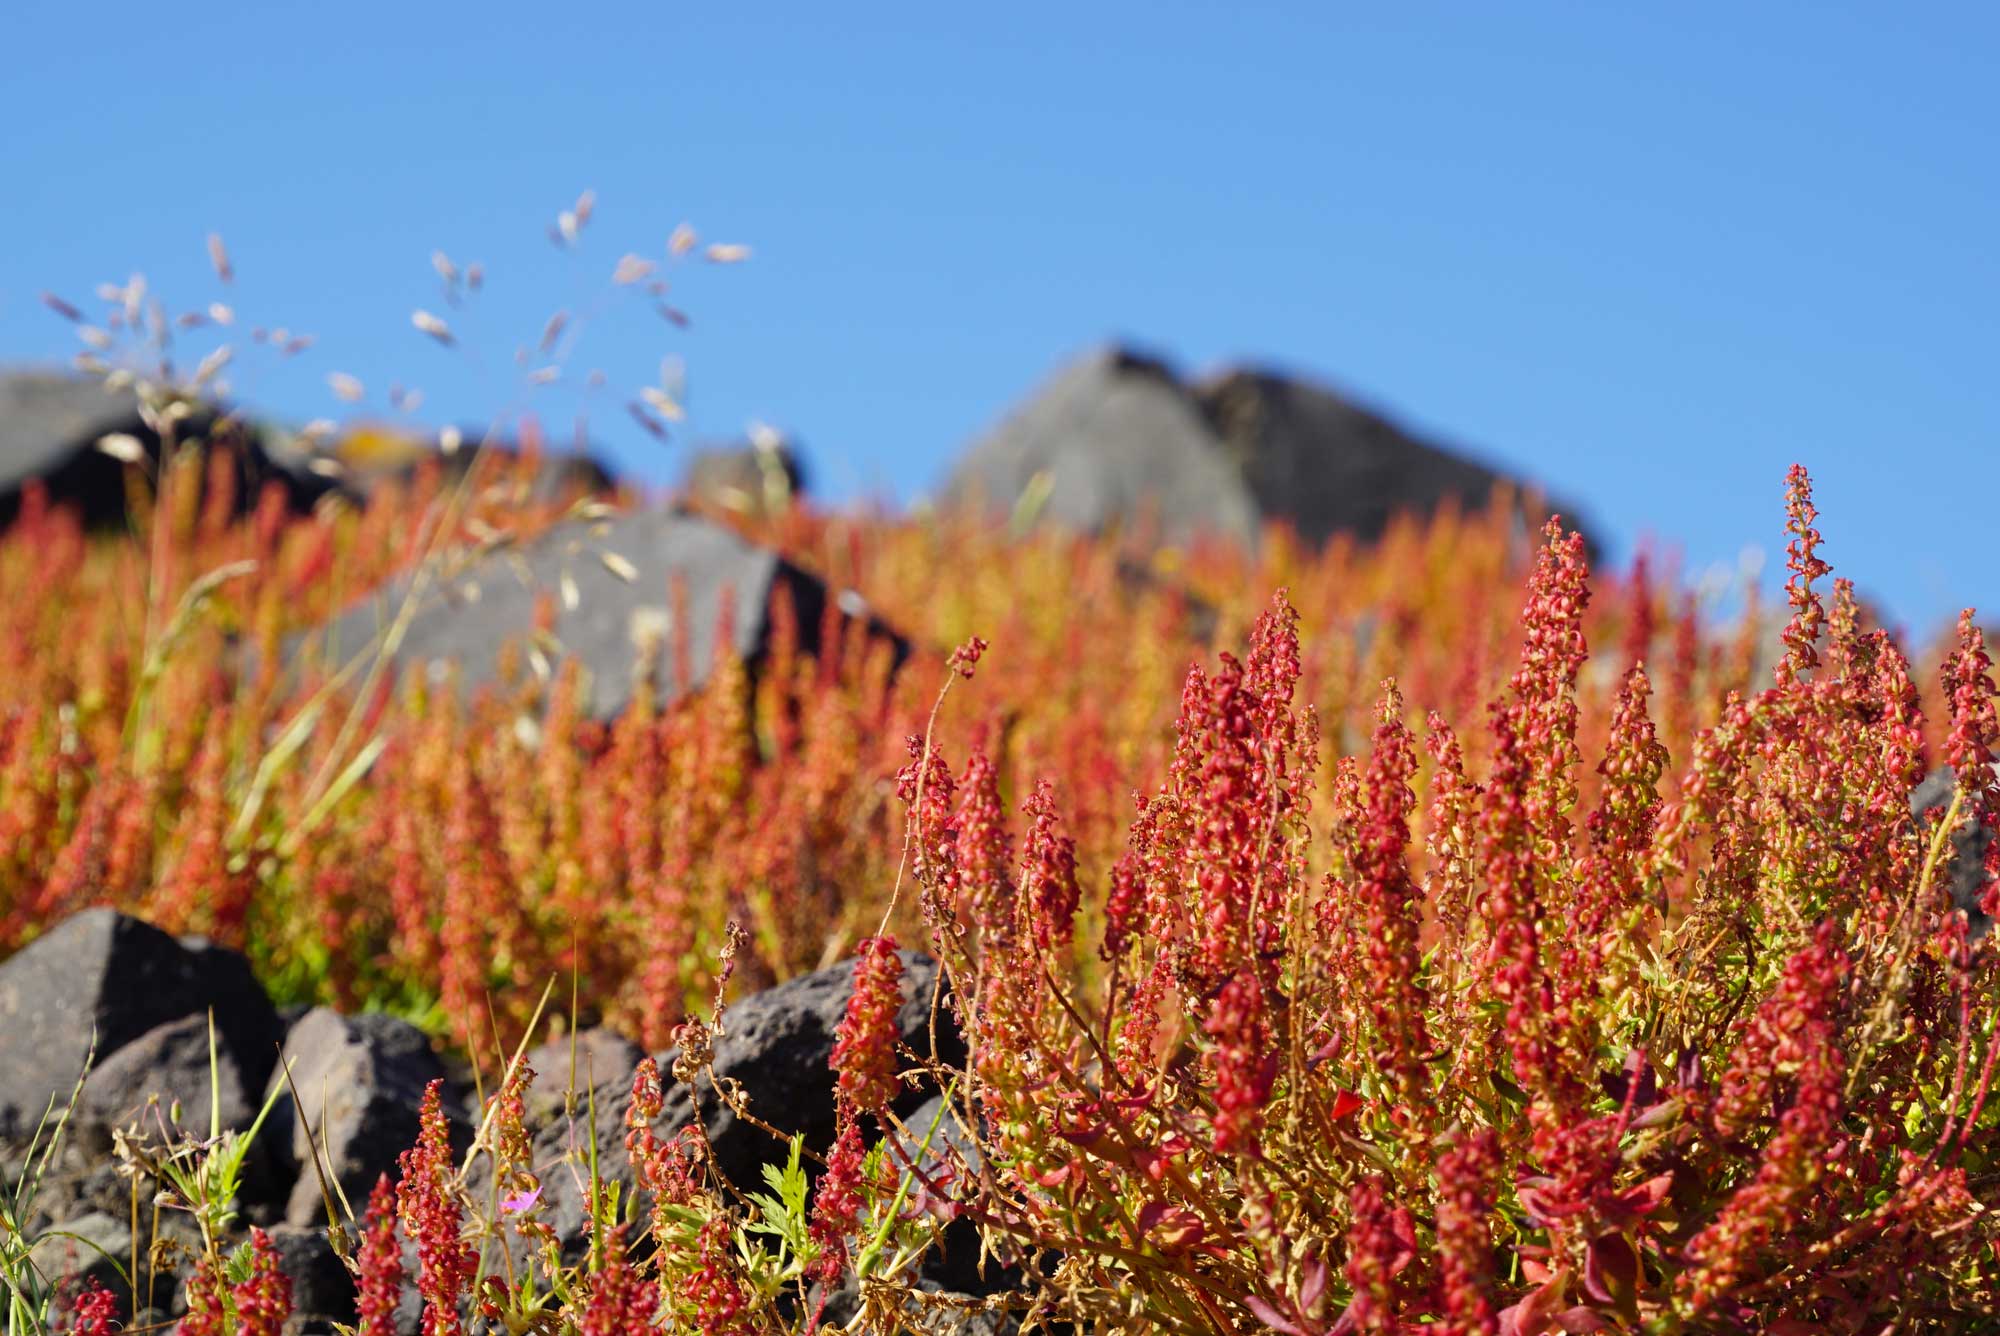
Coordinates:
(263, 1298)
(1514, 916)
(864, 1051)
(1233, 850)
(966, 657)
(984, 888)
(837, 1202)
(1385, 901)
(1803, 562)
(1466, 1175)
(259, 1302)
(712, 1292)
(1381, 1244)
(1048, 873)
(379, 1281)
(1245, 1066)
(1796, 1032)
(620, 1298)
(207, 1300)
(95, 1312)
(434, 1220)
(925, 786)
(1792, 1028)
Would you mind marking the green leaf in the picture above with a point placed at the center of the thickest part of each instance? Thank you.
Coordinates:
(237, 1268)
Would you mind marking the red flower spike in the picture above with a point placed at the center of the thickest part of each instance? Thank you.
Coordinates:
(1467, 1174)
(1048, 873)
(263, 1298)
(380, 1280)
(985, 887)
(1802, 560)
(864, 1050)
(1245, 1065)
(95, 1312)
(435, 1221)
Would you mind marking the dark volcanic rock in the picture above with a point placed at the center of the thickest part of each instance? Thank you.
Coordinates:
(171, 1062)
(50, 425)
(1114, 437)
(107, 973)
(615, 622)
(1328, 465)
(568, 1069)
(361, 1080)
(776, 1044)
(322, 1288)
(1118, 434)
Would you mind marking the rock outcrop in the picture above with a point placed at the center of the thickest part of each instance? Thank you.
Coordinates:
(615, 594)
(1118, 437)
(51, 426)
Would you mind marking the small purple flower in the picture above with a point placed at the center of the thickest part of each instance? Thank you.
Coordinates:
(521, 1201)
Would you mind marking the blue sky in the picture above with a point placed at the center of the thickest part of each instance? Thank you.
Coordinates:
(1648, 254)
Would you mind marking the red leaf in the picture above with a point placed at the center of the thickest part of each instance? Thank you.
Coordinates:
(1611, 1272)
(1171, 1229)
(1270, 1316)
(1086, 1136)
(1313, 1285)
(1345, 1104)
(1535, 1204)
(1641, 1200)
(1535, 1312)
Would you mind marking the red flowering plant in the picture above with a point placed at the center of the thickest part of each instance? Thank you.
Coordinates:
(1546, 1050)
(372, 840)
(1634, 999)
(1461, 1024)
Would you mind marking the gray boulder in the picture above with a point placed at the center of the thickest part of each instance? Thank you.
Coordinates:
(94, 1247)
(1119, 437)
(170, 1064)
(360, 1082)
(567, 1070)
(776, 1045)
(608, 622)
(109, 975)
(322, 1287)
(1327, 465)
(50, 424)
(1113, 438)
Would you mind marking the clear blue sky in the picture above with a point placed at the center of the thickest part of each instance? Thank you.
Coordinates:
(1649, 254)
